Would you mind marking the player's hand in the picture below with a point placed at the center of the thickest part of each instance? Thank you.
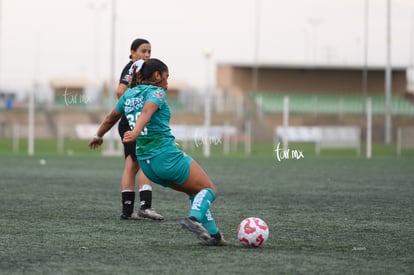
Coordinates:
(95, 142)
(129, 136)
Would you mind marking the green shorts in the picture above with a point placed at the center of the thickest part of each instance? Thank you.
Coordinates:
(171, 166)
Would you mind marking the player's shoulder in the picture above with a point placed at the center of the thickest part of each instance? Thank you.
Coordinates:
(157, 95)
(132, 92)
(156, 91)
(127, 66)
(125, 76)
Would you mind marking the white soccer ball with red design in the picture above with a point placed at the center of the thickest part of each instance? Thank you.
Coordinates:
(252, 232)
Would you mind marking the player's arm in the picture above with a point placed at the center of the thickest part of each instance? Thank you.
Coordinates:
(149, 109)
(121, 89)
(123, 82)
(106, 125)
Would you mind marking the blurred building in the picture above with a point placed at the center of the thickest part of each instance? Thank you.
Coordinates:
(69, 91)
(174, 88)
(318, 95)
(308, 79)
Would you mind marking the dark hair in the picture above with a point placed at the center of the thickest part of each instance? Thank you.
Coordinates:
(144, 76)
(136, 43)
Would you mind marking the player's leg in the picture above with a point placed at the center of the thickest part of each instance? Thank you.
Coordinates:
(202, 194)
(128, 182)
(128, 175)
(172, 167)
(145, 194)
(128, 188)
(209, 224)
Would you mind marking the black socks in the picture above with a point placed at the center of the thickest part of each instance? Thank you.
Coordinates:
(145, 199)
(128, 199)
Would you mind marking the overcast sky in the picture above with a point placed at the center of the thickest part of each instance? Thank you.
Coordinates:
(45, 39)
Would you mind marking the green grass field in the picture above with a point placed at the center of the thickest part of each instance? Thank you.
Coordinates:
(75, 147)
(327, 215)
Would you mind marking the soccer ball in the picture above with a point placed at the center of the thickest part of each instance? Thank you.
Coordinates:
(252, 232)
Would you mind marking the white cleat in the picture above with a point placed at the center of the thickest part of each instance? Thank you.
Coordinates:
(149, 213)
(197, 229)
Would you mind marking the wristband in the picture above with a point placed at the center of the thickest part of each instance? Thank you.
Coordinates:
(98, 137)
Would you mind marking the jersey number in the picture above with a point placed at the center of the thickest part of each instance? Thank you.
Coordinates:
(132, 120)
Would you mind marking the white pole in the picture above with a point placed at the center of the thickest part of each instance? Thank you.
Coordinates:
(399, 140)
(16, 136)
(259, 105)
(365, 71)
(97, 8)
(1, 41)
(256, 41)
(60, 139)
(388, 79)
(226, 139)
(369, 127)
(239, 106)
(248, 138)
(30, 131)
(411, 62)
(111, 87)
(285, 121)
(207, 107)
(314, 22)
(34, 91)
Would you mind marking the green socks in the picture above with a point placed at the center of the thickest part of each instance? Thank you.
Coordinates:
(200, 209)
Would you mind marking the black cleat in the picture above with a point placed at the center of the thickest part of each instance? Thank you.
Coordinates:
(133, 216)
(217, 240)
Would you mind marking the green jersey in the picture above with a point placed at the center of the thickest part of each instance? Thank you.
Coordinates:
(156, 136)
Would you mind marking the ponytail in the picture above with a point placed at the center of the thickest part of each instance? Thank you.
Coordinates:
(142, 72)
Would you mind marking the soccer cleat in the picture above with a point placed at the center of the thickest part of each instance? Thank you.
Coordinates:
(196, 228)
(149, 213)
(133, 216)
(217, 240)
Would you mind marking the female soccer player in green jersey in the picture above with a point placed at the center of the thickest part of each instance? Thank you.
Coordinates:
(140, 49)
(144, 105)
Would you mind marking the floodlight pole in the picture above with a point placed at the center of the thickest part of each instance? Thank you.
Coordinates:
(31, 107)
(411, 48)
(365, 70)
(411, 62)
(388, 79)
(111, 86)
(315, 22)
(255, 72)
(285, 122)
(1, 42)
(207, 108)
(97, 9)
(368, 109)
(30, 119)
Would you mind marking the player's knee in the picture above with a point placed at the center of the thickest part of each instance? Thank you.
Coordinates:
(211, 187)
(214, 190)
(143, 180)
(135, 167)
(131, 165)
